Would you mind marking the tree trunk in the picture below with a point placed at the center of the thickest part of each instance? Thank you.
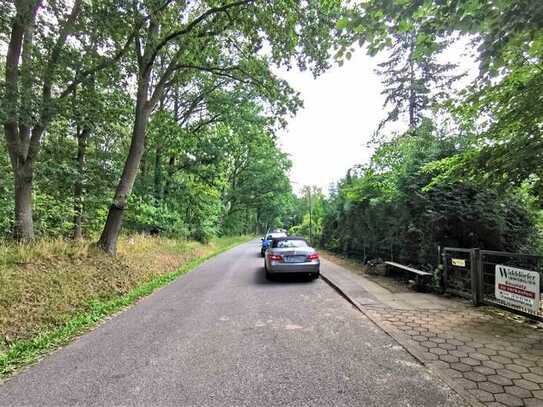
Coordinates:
(24, 226)
(412, 93)
(78, 185)
(112, 228)
(412, 120)
(16, 131)
(171, 170)
(158, 172)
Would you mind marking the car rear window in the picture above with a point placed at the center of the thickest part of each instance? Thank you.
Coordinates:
(281, 244)
(276, 235)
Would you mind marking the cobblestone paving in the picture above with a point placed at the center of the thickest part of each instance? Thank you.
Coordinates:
(498, 361)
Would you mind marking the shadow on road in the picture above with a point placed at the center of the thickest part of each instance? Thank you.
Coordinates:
(260, 278)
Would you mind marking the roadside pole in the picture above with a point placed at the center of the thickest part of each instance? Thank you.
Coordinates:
(310, 209)
(310, 217)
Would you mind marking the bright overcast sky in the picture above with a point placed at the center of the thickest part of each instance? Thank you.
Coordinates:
(341, 110)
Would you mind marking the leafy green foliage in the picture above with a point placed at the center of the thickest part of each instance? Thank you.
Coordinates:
(173, 105)
(501, 109)
(396, 208)
(309, 212)
(6, 194)
(468, 176)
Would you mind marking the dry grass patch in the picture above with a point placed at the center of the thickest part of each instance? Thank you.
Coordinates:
(44, 285)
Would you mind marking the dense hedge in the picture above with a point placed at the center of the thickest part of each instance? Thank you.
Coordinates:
(400, 207)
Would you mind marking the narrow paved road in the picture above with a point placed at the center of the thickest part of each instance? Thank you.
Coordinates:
(223, 335)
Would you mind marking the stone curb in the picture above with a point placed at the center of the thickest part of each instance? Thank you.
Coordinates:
(406, 344)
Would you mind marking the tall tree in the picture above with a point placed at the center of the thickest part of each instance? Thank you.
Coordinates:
(500, 110)
(223, 40)
(413, 80)
(46, 40)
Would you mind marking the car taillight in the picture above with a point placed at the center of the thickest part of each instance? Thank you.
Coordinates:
(313, 256)
(276, 257)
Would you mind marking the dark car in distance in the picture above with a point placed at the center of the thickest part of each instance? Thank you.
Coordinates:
(266, 241)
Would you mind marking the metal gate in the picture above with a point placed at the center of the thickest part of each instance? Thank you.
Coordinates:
(457, 271)
(471, 273)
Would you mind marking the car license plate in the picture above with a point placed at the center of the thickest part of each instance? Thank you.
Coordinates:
(295, 259)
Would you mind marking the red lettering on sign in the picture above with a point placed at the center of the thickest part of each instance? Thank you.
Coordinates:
(515, 290)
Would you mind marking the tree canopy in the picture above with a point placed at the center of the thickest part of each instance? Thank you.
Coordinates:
(467, 170)
(170, 107)
(164, 114)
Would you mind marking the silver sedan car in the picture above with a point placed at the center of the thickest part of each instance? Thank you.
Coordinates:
(291, 255)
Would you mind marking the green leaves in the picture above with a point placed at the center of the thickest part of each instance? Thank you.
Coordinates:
(405, 26)
(342, 23)
(204, 78)
(457, 175)
(416, 194)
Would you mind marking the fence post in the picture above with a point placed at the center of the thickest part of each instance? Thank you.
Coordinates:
(480, 279)
(445, 276)
(475, 286)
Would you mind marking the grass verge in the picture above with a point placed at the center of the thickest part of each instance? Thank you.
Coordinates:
(47, 336)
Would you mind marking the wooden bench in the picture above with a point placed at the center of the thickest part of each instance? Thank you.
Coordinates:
(419, 274)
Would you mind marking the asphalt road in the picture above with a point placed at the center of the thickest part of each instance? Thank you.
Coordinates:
(224, 335)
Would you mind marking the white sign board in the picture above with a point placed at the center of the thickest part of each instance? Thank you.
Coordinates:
(517, 287)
